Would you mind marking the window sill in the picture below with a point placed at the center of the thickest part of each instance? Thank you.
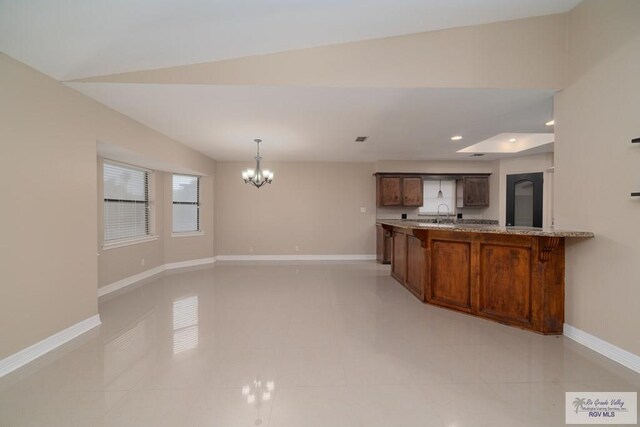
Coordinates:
(188, 234)
(128, 242)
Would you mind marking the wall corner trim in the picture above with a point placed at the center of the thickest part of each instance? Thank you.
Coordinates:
(617, 354)
(24, 356)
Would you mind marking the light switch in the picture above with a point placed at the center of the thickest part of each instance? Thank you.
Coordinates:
(363, 210)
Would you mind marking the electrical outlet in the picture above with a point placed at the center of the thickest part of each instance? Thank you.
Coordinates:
(250, 248)
(297, 248)
(142, 262)
(363, 210)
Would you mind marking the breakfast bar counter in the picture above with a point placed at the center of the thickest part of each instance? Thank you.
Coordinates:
(513, 275)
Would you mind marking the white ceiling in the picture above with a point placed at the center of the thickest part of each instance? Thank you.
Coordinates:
(69, 39)
(321, 124)
(510, 142)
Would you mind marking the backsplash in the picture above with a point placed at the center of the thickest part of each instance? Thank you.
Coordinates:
(412, 213)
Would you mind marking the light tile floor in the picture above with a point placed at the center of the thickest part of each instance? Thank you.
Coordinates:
(333, 344)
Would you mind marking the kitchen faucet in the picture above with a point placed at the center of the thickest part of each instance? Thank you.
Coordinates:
(448, 212)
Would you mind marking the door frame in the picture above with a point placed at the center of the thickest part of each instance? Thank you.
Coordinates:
(538, 194)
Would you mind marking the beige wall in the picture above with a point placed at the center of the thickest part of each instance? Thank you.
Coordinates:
(596, 167)
(47, 182)
(48, 171)
(314, 206)
(524, 53)
(445, 167)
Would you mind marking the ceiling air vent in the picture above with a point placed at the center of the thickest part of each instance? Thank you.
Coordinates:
(477, 155)
(361, 138)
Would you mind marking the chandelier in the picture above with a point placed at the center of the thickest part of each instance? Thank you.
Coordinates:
(257, 177)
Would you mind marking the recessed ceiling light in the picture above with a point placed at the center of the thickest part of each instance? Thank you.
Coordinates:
(512, 140)
(456, 138)
(550, 123)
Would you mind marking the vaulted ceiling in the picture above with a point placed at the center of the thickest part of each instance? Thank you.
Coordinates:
(298, 119)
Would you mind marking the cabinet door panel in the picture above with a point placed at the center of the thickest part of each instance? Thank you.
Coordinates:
(415, 266)
(450, 283)
(389, 191)
(379, 243)
(505, 283)
(399, 261)
(412, 191)
(476, 191)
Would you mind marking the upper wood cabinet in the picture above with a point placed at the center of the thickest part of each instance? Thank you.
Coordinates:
(412, 191)
(406, 189)
(475, 191)
(389, 191)
(399, 191)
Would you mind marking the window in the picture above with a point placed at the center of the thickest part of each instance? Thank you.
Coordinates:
(186, 203)
(126, 202)
(431, 200)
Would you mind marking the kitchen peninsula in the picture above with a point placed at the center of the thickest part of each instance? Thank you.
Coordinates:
(513, 275)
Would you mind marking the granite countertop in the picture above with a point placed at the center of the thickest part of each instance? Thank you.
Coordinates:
(485, 228)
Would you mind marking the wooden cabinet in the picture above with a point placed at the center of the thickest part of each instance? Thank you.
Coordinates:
(475, 191)
(513, 279)
(406, 189)
(383, 244)
(399, 191)
(399, 258)
(408, 261)
(389, 191)
(449, 284)
(412, 191)
(505, 285)
(415, 266)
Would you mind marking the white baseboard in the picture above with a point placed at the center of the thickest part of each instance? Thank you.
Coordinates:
(127, 281)
(112, 287)
(190, 263)
(295, 257)
(21, 358)
(617, 354)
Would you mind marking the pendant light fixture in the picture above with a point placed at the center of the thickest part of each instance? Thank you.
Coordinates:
(257, 177)
(440, 195)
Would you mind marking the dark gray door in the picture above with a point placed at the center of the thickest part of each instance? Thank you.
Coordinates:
(524, 199)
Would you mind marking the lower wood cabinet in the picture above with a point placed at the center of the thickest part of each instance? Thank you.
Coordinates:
(505, 285)
(415, 266)
(450, 281)
(408, 261)
(513, 279)
(399, 256)
(383, 244)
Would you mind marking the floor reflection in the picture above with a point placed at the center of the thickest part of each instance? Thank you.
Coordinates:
(257, 394)
(185, 324)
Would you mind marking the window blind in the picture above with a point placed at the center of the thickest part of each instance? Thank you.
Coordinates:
(126, 202)
(186, 203)
(430, 196)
